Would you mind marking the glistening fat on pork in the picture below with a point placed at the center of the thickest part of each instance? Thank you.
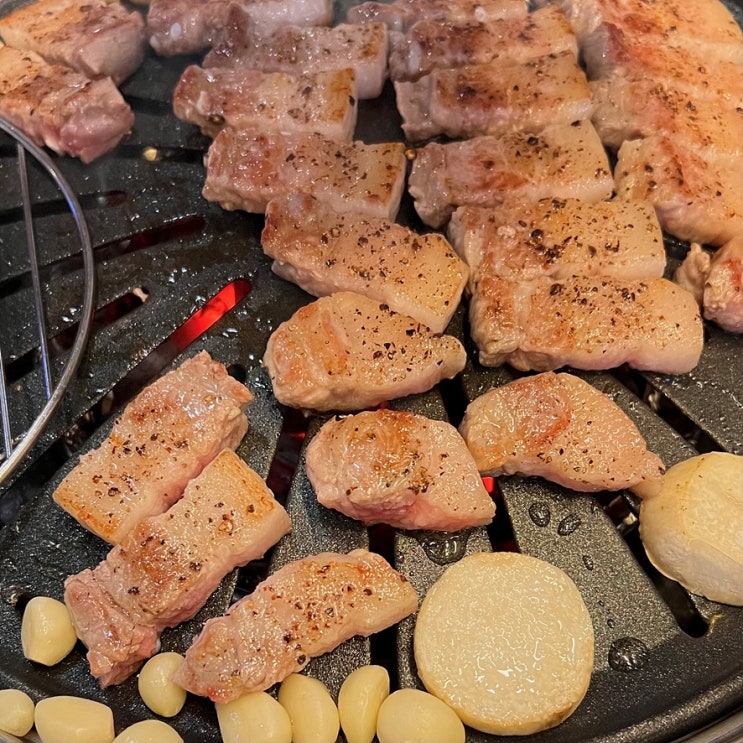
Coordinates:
(246, 170)
(188, 26)
(401, 14)
(305, 609)
(433, 44)
(397, 468)
(163, 439)
(699, 27)
(250, 100)
(630, 107)
(561, 428)
(562, 160)
(324, 251)
(495, 98)
(560, 238)
(164, 570)
(611, 50)
(694, 200)
(299, 50)
(586, 322)
(349, 352)
(60, 108)
(94, 37)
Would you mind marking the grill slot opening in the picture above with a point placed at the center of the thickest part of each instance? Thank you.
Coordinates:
(64, 340)
(676, 598)
(623, 510)
(178, 229)
(288, 451)
(167, 351)
(57, 207)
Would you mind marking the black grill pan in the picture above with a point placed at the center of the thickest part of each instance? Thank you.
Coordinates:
(668, 666)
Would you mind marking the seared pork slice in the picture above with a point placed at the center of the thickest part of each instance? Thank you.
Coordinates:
(325, 252)
(397, 468)
(694, 200)
(187, 26)
(561, 428)
(497, 97)
(305, 609)
(560, 238)
(716, 281)
(562, 160)
(166, 568)
(704, 28)
(94, 37)
(349, 352)
(401, 14)
(163, 439)
(629, 107)
(255, 101)
(61, 108)
(433, 44)
(610, 50)
(586, 322)
(246, 170)
(296, 49)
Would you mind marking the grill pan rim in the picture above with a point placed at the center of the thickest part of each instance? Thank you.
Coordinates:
(267, 292)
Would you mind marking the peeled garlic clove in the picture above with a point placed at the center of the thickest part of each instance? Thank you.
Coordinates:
(359, 700)
(311, 709)
(255, 717)
(47, 634)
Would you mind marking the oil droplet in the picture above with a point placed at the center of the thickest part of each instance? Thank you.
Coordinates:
(568, 525)
(588, 562)
(443, 548)
(628, 654)
(540, 514)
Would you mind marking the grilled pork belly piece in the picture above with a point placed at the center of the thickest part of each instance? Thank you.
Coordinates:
(349, 352)
(562, 160)
(163, 439)
(609, 50)
(495, 98)
(694, 200)
(245, 171)
(629, 107)
(251, 100)
(704, 28)
(297, 49)
(61, 108)
(586, 322)
(165, 569)
(94, 37)
(188, 26)
(399, 15)
(436, 44)
(397, 468)
(561, 428)
(716, 281)
(305, 609)
(325, 252)
(560, 238)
